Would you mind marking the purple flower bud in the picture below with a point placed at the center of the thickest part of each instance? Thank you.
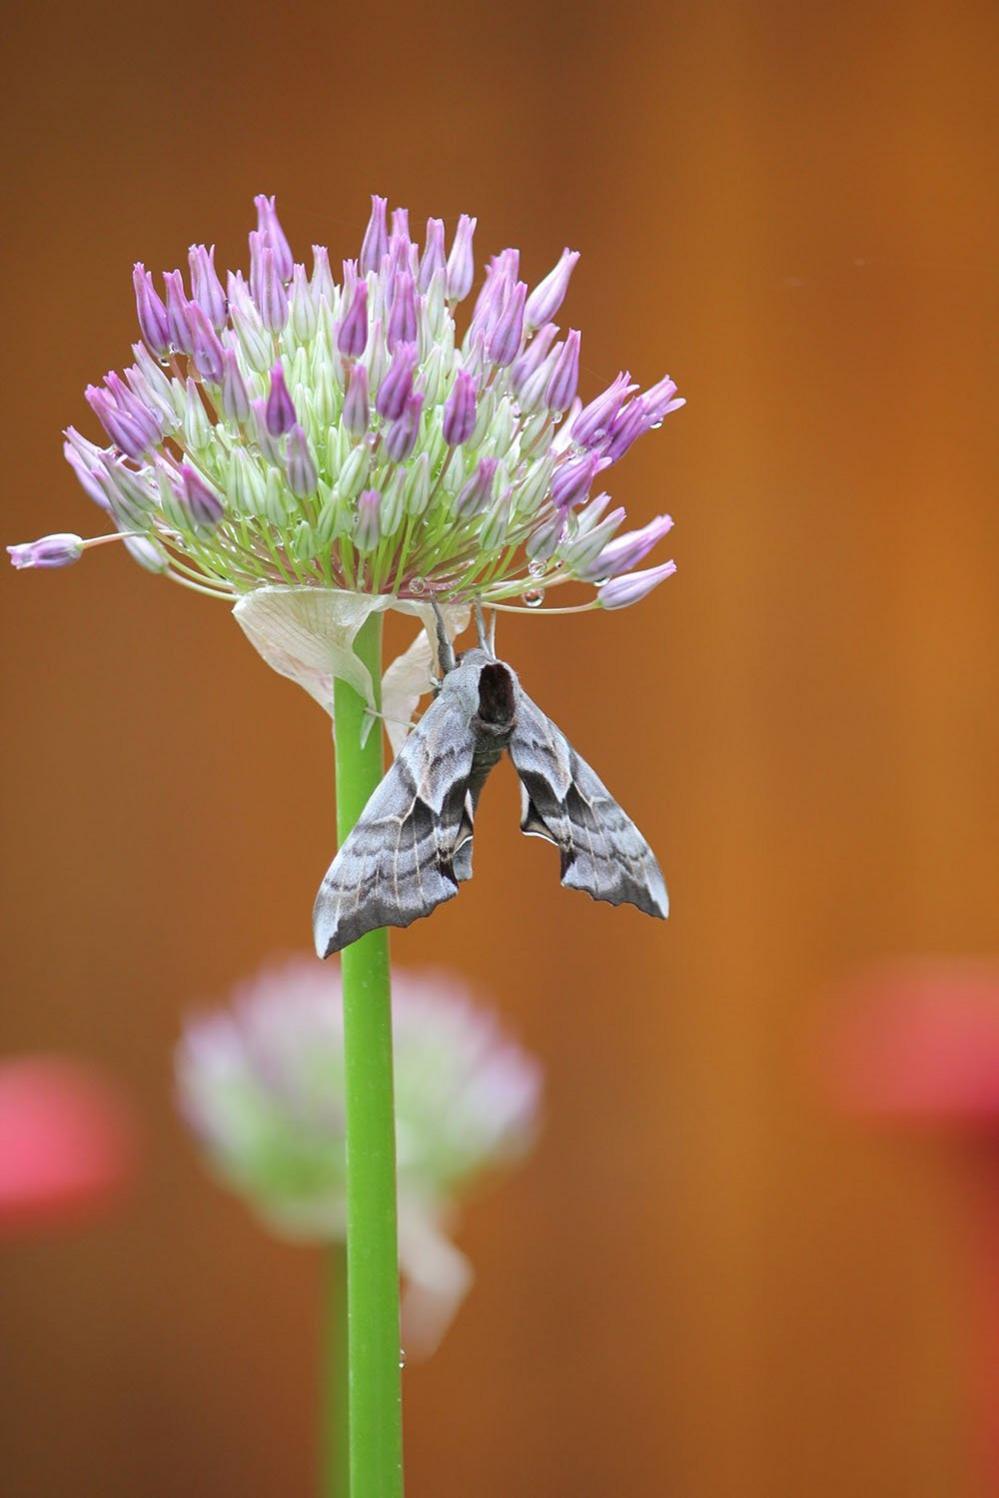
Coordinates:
(433, 253)
(280, 409)
(549, 294)
(459, 410)
(322, 276)
(544, 542)
(206, 288)
(627, 426)
(400, 224)
(129, 496)
(633, 586)
(477, 491)
(151, 312)
(270, 230)
(353, 335)
(366, 526)
(572, 481)
(403, 326)
(594, 421)
(375, 244)
(87, 476)
(402, 434)
(266, 286)
(534, 355)
(356, 412)
(460, 262)
(58, 550)
(659, 401)
(235, 396)
(504, 345)
(300, 465)
(269, 446)
(148, 421)
(206, 350)
(121, 428)
(561, 390)
(397, 386)
(626, 551)
(201, 503)
(176, 309)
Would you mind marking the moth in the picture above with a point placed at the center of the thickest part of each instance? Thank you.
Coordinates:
(411, 849)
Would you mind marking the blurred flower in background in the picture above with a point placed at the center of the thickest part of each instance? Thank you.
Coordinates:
(261, 1084)
(67, 1144)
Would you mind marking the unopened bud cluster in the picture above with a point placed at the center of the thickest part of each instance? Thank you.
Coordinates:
(288, 428)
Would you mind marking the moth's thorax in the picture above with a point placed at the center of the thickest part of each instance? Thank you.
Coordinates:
(487, 690)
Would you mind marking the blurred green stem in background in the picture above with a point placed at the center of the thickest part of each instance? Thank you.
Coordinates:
(373, 1340)
(335, 1450)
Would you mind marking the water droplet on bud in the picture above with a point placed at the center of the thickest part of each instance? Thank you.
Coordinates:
(536, 569)
(418, 585)
(534, 598)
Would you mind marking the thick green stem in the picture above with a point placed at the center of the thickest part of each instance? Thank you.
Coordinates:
(335, 1481)
(375, 1386)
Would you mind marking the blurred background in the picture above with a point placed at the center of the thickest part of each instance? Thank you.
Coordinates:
(710, 1281)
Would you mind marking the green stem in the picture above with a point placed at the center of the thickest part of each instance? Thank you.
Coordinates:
(375, 1386)
(335, 1453)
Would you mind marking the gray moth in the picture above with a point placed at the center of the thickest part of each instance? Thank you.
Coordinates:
(412, 846)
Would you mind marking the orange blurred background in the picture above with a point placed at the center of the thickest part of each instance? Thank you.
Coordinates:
(705, 1284)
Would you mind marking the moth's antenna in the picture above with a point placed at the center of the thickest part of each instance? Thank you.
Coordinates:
(445, 650)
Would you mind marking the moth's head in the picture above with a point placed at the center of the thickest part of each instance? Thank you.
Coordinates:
(497, 697)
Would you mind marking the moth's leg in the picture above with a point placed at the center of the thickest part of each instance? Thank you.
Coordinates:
(370, 712)
(445, 650)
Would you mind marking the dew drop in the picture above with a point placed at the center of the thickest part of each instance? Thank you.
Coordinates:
(536, 569)
(402, 1357)
(534, 598)
(655, 426)
(418, 585)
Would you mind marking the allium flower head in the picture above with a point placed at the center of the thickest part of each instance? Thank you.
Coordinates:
(280, 428)
(261, 1084)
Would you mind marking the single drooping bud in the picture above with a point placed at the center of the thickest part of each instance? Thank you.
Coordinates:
(402, 434)
(58, 550)
(151, 312)
(459, 410)
(621, 592)
(460, 262)
(375, 244)
(272, 234)
(353, 334)
(356, 413)
(300, 465)
(206, 288)
(397, 386)
(561, 390)
(280, 409)
(549, 294)
(202, 504)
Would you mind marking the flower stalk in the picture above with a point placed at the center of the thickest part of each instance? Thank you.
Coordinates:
(373, 1334)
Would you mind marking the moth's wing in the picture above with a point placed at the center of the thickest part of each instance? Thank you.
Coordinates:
(566, 802)
(462, 862)
(398, 862)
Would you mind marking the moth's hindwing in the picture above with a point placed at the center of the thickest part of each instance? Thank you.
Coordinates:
(566, 802)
